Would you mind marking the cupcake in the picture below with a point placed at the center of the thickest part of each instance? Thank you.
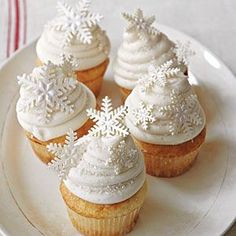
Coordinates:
(75, 32)
(166, 121)
(142, 45)
(103, 176)
(52, 101)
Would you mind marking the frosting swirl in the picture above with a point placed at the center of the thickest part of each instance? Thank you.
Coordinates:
(59, 101)
(111, 170)
(167, 115)
(49, 48)
(135, 54)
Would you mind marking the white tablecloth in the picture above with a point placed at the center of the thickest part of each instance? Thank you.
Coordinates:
(212, 22)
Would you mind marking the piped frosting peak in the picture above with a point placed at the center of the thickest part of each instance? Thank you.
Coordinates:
(50, 99)
(142, 45)
(75, 22)
(105, 166)
(46, 91)
(183, 52)
(140, 24)
(74, 31)
(163, 108)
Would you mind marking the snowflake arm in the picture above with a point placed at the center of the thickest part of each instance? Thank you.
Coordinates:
(140, 24)
(122, 157)
(167, 70)
(180, 111)
(109, 122)
(84, 35)
(76, 22)
(146, 83)
(183, 52)
(69, 64)
(48, 87)
(67, 155)
(143, 115)
(106, 105)
(83, 6)
(158, 76)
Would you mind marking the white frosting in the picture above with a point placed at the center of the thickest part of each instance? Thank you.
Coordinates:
(60, 121)
(135, 55)
(49, 48)
(159, 131)
(95, 180)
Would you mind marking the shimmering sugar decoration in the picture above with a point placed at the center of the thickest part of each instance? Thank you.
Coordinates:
(69, 64)
(158, 76)
(181, 111)
(118, 188)
(48, 89)
(109, 121)
(183, 52)
(140, 24)
(67, 155)
(122, 158)
(75, 21)
(143, 115)
(107, 189)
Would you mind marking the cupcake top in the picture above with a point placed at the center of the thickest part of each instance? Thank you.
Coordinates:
(144, 44)
(163, 108)
(52, 100)
(74, 31)
(105, 166)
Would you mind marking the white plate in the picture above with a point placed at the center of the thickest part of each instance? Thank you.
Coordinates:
(200, 202)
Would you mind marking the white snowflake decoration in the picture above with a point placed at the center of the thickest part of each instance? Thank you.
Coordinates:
(69, 64)
(140, 24)
(109, 122)
(76, 22)
(183, 119)
(122, 158)
(67, 155)
(143, 115)
(183, 52)
(158, 76)
(48, 90)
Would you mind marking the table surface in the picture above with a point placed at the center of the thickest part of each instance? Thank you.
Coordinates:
(211, 22)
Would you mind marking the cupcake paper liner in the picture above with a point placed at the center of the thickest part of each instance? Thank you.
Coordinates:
(171, 160)
(103, 219)
(169, 167)
(124, 93)
(93, 77)
(115, 226)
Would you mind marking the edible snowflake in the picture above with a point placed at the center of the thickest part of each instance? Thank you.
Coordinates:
(140, 24)
(67, 155)
(183, 119)
(48, 90)
(122, 158)
(76, 22)
(144, 115)
(69, 64)
(109, 122)
(158, 76)
(183, 52)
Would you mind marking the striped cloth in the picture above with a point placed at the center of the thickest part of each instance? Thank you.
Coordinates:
(13, 26)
